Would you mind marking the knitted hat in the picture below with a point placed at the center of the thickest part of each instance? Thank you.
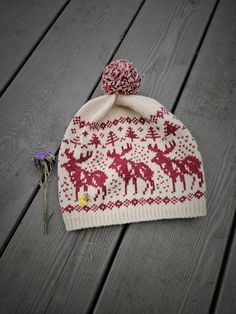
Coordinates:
(125, 158)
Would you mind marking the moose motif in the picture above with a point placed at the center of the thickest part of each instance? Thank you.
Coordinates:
(83, 178)
(129, 170)
(174, 168)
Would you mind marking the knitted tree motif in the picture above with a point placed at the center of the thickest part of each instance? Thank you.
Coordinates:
(95, 141)
(170, 128)
(75, 141)
(131, 134)
(152, 133)
(111, 138)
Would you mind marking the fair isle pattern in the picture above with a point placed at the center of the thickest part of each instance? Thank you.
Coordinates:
(134, 120)
(129, 161)
(142, 201)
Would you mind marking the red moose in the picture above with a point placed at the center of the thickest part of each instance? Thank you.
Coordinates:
(175, 168)
(84, 178)
(130, 170)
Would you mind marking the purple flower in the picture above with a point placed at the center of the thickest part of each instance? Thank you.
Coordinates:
(43, 155)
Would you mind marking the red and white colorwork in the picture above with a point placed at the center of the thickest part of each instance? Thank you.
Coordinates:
(135, 160)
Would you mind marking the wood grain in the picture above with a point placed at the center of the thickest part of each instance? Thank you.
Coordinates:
(53, 84)
(32, 263)
(81, 278)
(226, 302)
(172, 266)
(22, 23)
(64, 272)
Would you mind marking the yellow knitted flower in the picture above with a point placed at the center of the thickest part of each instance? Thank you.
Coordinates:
(84, 199)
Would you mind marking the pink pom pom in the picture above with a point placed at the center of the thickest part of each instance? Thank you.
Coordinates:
(120, 77)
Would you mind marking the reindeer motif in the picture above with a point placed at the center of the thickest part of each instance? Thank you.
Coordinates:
(174, 168)
(129, 170)
(84, 178)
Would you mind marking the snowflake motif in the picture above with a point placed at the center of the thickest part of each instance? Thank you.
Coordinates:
(82, 124)
(142, 120)
(103, 125)
(85, 133)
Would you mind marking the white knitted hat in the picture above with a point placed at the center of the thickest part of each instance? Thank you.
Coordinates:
(125, 158)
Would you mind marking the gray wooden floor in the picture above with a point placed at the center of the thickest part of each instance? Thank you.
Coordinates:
(52, 54)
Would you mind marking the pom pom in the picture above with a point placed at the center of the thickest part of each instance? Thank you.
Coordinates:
(120, 77)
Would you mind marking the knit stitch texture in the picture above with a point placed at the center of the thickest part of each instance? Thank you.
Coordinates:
(134, 159)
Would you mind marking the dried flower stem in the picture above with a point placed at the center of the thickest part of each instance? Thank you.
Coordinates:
(43, 163)
(45, 194)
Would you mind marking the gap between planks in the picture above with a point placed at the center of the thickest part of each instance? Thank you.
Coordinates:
(222, 272)
(125, 227)
(230, 234)
(31, 51)
(37, 189)
(116, 249)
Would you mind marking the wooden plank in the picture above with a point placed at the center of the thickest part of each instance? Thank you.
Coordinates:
(32, 263)
(61, 274)
(172, 266)
(22, 23)
(73, 270)
(226, 301)
(56, 80)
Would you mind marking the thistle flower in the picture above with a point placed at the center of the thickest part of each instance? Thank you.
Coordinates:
(43, 161)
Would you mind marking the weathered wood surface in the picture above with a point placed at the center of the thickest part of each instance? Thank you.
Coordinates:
(173, 266)
(22, 24)
(53, 84)
(64, 271)
(226, 302)
(33, 263)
